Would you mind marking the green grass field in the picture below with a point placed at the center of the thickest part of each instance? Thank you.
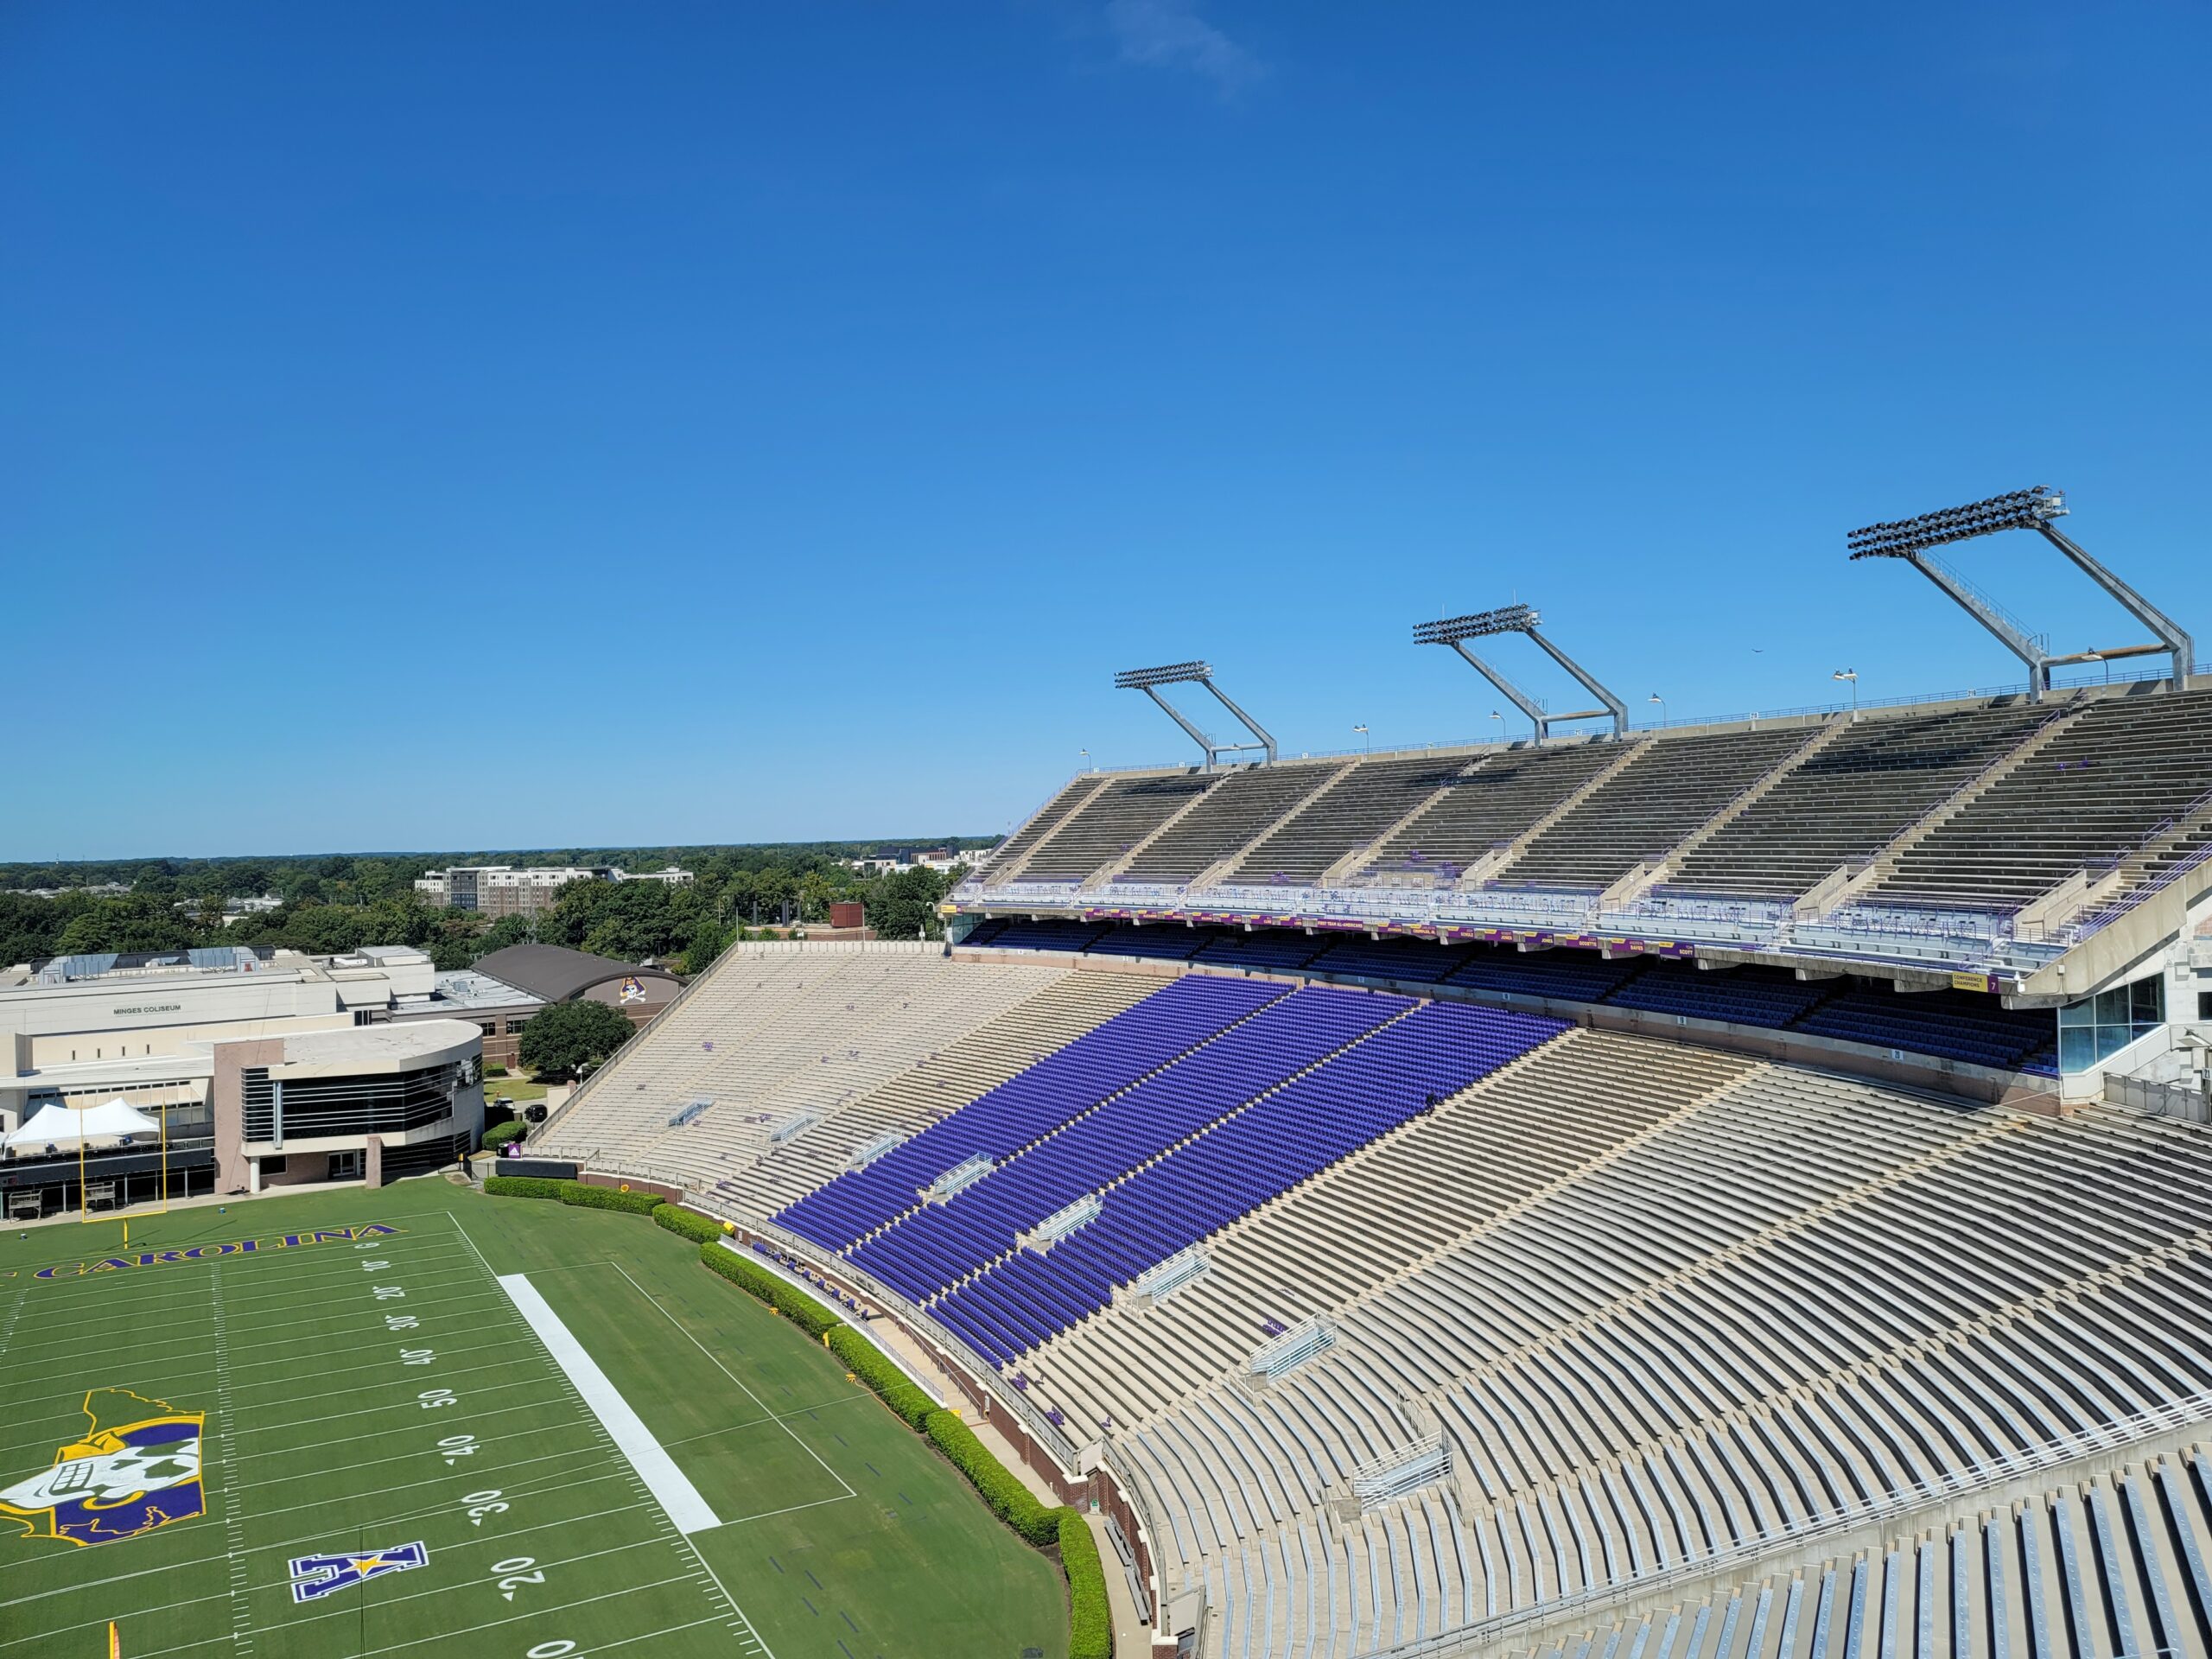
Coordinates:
(363, 1395)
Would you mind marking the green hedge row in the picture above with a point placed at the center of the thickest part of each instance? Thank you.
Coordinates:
(586, 1196)
(1090, 1617)
(687, 1223)
(522, 1186)
(1007, 1499)
(866, 1360)
(498, 1134)
(580, 1193)
(800, 1309)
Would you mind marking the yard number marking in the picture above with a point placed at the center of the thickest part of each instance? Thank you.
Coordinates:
(518, 1572)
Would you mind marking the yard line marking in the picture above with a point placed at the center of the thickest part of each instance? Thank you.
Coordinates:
(764, 1514)
(732, 1376)
(496, 1539)
(184, 1324)
(624, 1642)
(350, 1612)
(654, 1466)
(295, 1279)
(442, 1635)
(777, 1417)
(569, 1457)
(536, 1430)
(14, 1309)
(466, 1417)
(390, 1342)
(233, 1522)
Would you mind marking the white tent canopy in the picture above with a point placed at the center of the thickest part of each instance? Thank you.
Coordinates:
(67, 1127)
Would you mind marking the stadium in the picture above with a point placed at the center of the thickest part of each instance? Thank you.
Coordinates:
(1739, 1185)
(1732, 1188)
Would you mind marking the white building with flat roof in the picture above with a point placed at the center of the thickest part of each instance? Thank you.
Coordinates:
(173, 1034)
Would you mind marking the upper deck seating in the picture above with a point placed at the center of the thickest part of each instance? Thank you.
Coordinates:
(1668, 790)
(1484, 808)
(2115, 777)
(1372, 796)
(1852, 798)
(1009, 852)
(1241, 807)
(1112, 822)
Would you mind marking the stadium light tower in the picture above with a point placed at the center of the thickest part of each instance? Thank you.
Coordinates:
(1147, 679)
(1455, 631)
(2034, 509)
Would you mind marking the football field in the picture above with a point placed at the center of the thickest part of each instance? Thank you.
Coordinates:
(421, 1422)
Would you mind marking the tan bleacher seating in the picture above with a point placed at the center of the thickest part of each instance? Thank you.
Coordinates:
(1241, 807)
(771, 1035)
(1108, 826)
(1660, 796)
(2112, 779)
(1488, 806)
(947, 1079)
(1352, 815)
(1853, 798)
(1666, 1303)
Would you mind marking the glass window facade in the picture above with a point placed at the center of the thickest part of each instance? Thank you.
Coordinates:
(2105, 1023)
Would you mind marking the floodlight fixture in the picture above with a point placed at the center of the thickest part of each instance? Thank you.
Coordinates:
(1140, 679)
(2029, 509)
(1455, 631)
(2038, 509)
(1149, 680)
(1507, 618)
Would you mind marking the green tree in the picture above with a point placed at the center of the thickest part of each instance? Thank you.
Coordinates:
(904, 906)
(709, 939)
(568, 1036)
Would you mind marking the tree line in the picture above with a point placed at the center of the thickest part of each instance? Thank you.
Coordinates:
(336, 903)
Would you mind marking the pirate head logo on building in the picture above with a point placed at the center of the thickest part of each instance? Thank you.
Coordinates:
(136, 1468)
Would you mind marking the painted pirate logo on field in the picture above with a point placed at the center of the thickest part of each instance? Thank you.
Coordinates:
(136, 1468)
(314, 1576)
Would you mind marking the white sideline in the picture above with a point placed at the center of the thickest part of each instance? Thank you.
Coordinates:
(655, 1467)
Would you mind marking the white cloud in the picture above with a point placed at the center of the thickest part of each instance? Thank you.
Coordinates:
(1170, 35)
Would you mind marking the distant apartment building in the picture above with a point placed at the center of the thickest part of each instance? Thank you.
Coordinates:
(670, 876)
(898, 860)
(498, 890)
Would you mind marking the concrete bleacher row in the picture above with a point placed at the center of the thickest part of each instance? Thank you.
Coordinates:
(1651, 1304)
(1741, 1297)
(1983, 807)
(772, 1038)
(1965, 1026)
(2113, 1561)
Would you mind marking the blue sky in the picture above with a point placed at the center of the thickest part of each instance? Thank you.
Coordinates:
(500, 425)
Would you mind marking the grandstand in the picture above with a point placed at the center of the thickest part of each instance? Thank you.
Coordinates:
(1988, 836)
(1739, 1191)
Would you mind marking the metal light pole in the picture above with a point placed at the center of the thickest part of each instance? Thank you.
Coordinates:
(1851, 674)
(1662, 702)
(1361, 730)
